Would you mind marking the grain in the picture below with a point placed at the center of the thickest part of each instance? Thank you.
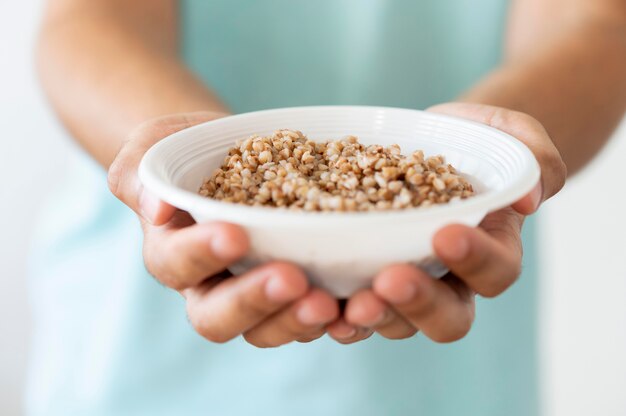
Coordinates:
(289, 170)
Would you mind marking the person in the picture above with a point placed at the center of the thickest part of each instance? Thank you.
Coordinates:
(123, 75)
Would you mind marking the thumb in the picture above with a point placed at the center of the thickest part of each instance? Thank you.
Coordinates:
(122, 177)
(529, 131)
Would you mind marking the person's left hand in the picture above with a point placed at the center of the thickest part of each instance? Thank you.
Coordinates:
(485, 260)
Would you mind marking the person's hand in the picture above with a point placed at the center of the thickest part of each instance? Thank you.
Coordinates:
(270, 305)
(484, 260)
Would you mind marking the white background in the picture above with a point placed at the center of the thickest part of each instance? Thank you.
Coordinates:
(583, 304)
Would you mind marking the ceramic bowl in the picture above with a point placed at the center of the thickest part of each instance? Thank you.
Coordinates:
(340, 251)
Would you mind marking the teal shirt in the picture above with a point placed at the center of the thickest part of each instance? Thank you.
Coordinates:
(109, 340)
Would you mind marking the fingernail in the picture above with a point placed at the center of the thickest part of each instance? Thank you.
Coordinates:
(308, 317)
(276, 290)
(405, 295)
(349, 334)
(148, 206)
(457, 249)
(536, 195)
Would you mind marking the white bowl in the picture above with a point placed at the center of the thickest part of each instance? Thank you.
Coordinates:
(339, 251)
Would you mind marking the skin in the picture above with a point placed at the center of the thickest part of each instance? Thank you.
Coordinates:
(560, 89)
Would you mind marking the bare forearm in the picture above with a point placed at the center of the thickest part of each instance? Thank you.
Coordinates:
(104, 77)
(574, 83)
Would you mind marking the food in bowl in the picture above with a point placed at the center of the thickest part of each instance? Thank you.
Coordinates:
(342, 251)
(289, 170)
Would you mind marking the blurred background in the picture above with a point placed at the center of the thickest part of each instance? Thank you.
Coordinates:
(583, 240)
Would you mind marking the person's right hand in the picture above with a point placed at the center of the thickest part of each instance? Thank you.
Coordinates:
(270, 305)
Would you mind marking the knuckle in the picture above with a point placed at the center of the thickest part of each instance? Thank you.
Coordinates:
(154, 265)
(554, 169)
(508, 222)
(118, 170)
(522, 120)
(114, 177)
(187, 267)
(173, 282)
(494, 117)
(560, 172)
(508, 117)
(505, 117)
(150, 268)
(150, 265)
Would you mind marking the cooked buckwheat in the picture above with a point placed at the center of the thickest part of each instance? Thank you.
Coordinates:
(289, 170)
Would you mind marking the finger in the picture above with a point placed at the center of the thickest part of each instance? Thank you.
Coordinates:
(488, 259)
(340, 330)
(345, 333)
(122, 178)
(303, 320)
(184, 257)
(223, 311)
(367, 310)
(442, 310)
(312, 336)
(528, 130)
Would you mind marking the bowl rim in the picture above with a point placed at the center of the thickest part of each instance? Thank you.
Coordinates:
(277, 217)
